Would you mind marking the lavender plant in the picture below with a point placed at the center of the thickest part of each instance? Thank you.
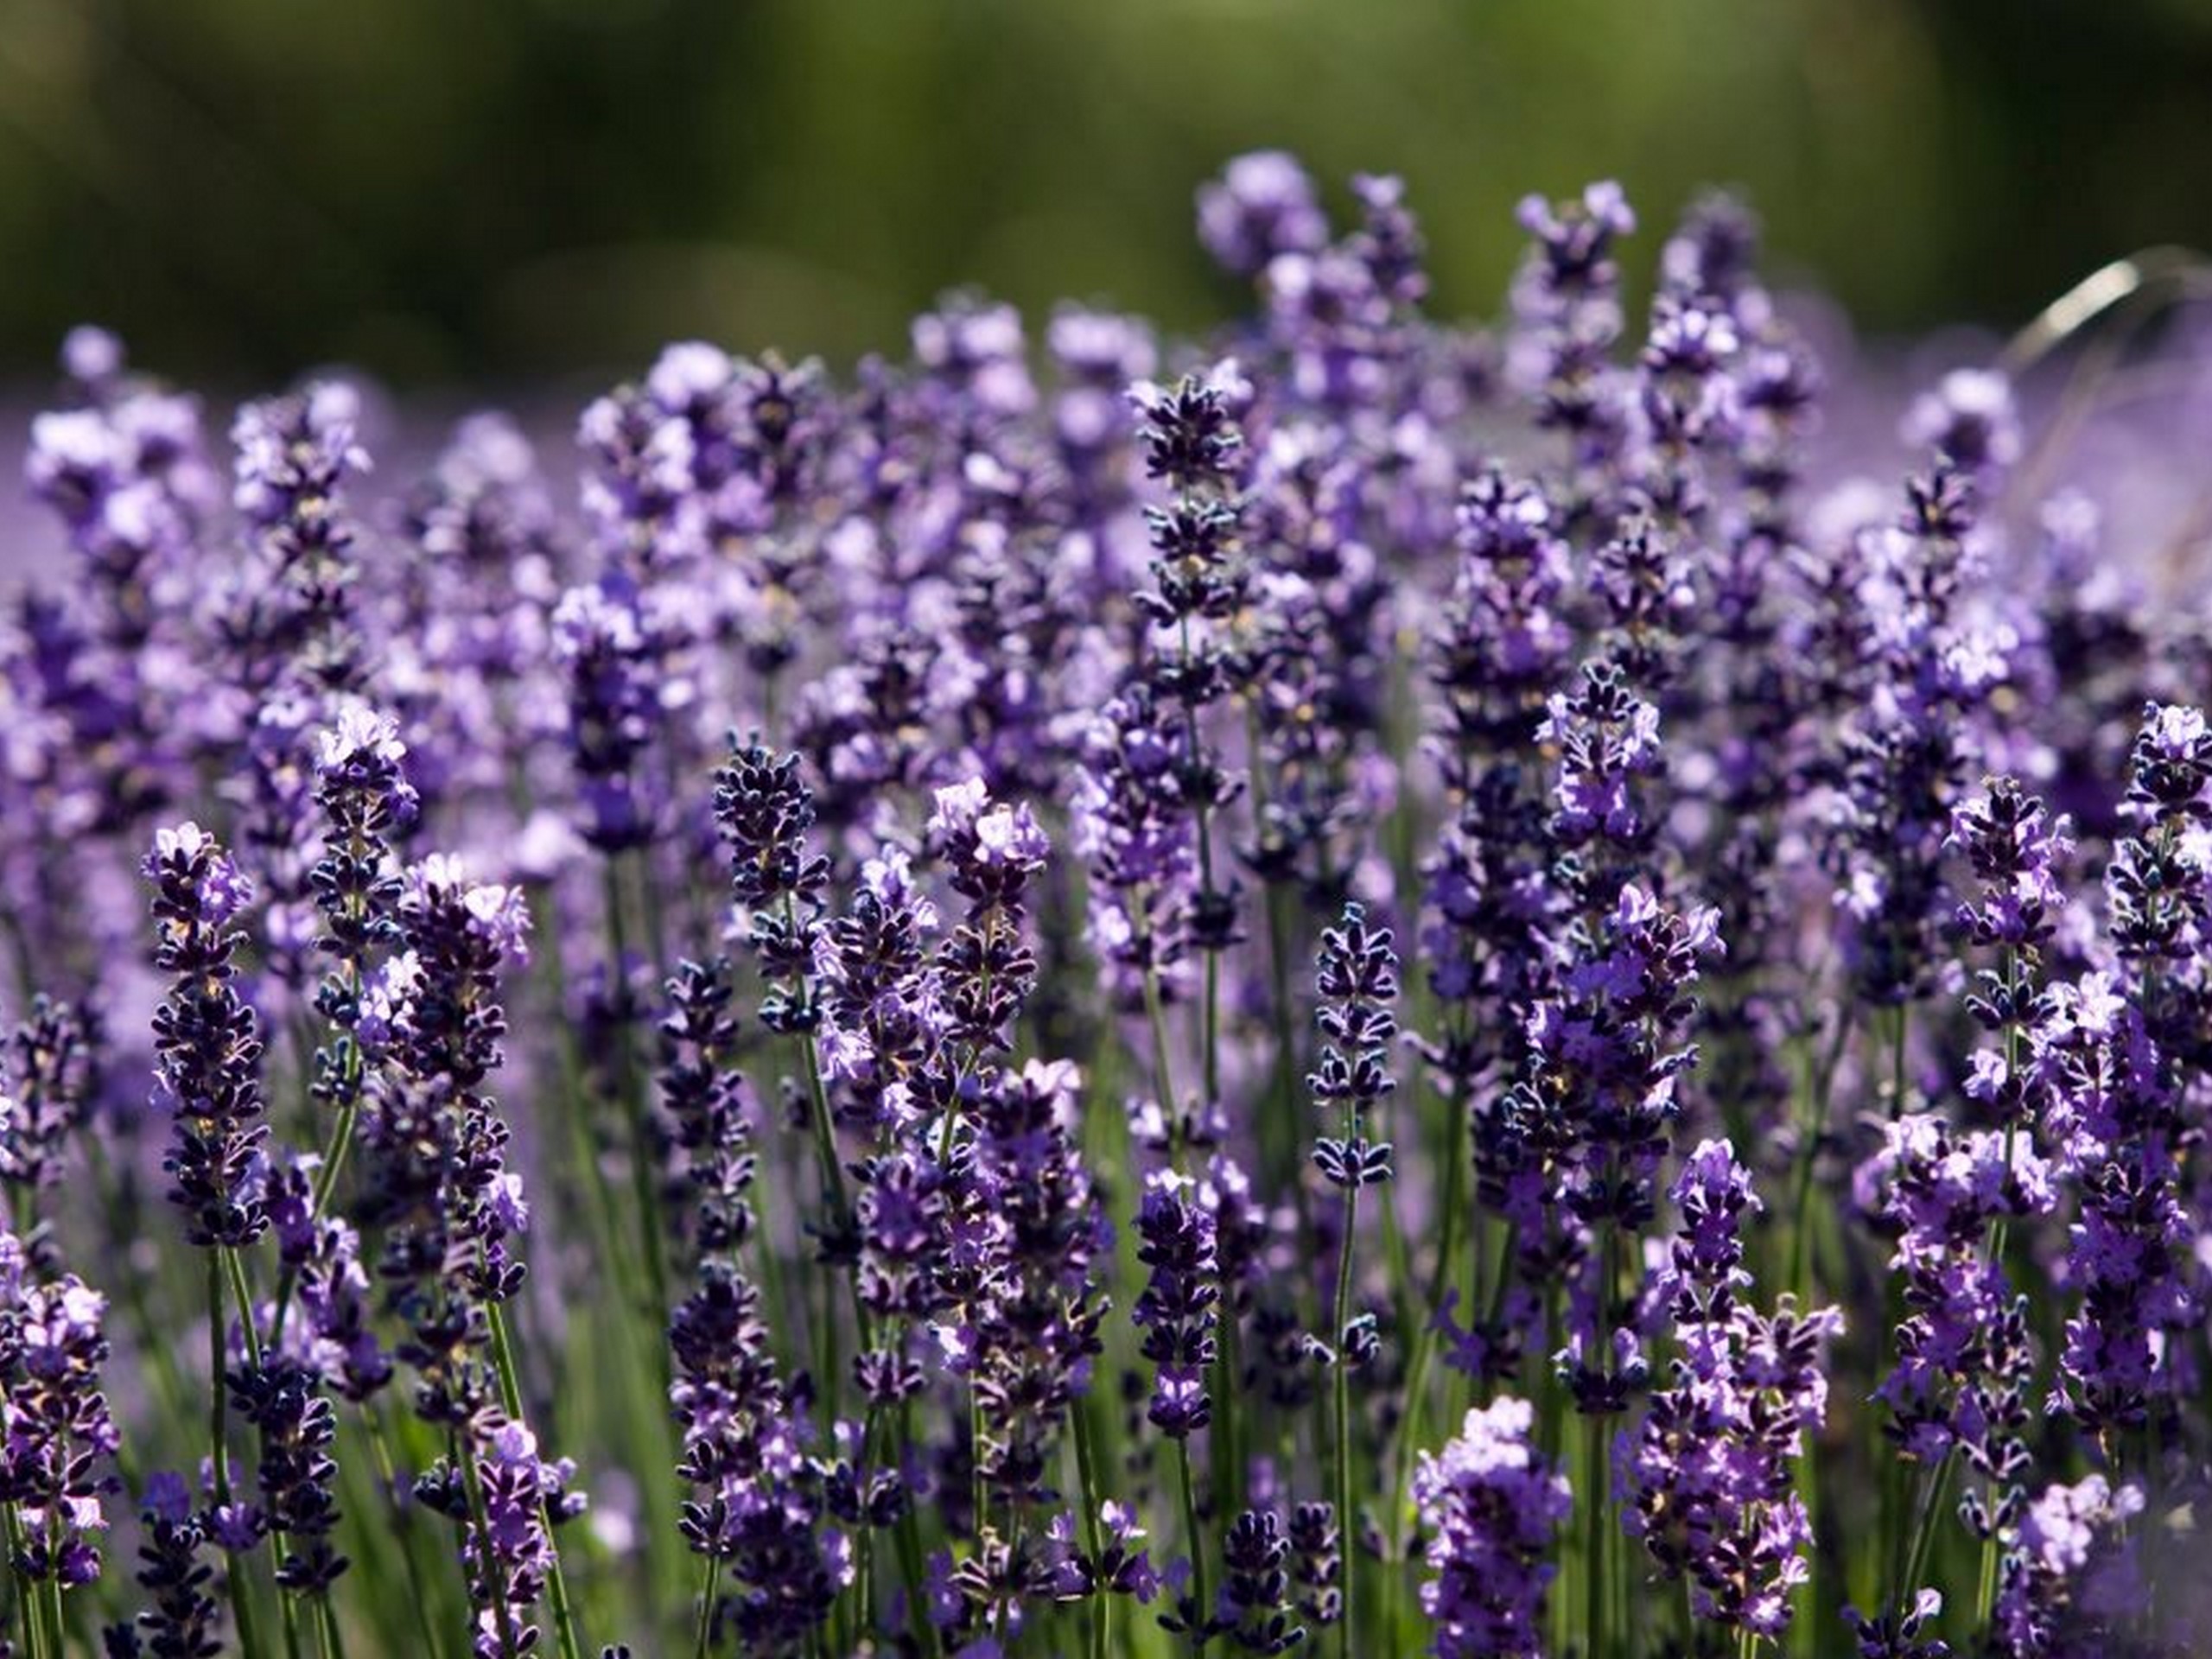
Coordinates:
(811, 1056)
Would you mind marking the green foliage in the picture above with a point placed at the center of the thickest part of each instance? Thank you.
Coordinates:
(438, 190)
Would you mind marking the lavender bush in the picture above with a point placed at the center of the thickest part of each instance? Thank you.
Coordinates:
(1360, 982)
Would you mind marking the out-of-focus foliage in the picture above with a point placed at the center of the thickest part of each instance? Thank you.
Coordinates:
(446, 188)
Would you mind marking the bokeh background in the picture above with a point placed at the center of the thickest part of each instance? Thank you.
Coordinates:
(539, 191)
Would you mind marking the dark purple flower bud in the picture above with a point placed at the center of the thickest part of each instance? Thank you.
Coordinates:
(763, 811)
(1255, 1585)
(2016, 854)
(507, 1546)
(207, 1040)
(183, 1621)
(284, 1401)
(1608, 737)
(1177, 1311)
(1317, 1562)
(706, 1110)
(1901, 1636)
(1357, 980)
(1120, 1568)
(1713, 1193)
(1566, 298)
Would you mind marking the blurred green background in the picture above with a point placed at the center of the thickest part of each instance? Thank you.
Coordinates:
(512, 191)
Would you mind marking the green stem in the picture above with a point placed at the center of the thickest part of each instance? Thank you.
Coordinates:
(1984, 1601)
(557, 1582)
(26, 1594)
(1211, 1022)
(1198, 1545)
(707, 1595)
(1594, 1567)
(919, 1623)
(1163, 1074)
(833, 1181)
(341, 1139)
(234, 1270)
(643, 1194)
(1924, 1534)
(219, 1454)
(595, 1202)
(1414, 1423)
(1820, 1082)
(50, 1595)
(1341, 1402)
(1086, 1463)
(418, 1589)
(1986, 1586)
(867, 1548)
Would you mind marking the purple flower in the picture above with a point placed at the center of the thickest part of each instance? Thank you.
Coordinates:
(2019, 854)
(1262, 205)
(1566, 301)
(284, 1401)
(61, 1440)
(1358, 981)
(183, 1618)
(613, 660)
(2072, 1584)
(1709, 1468)
(506, 1503)
(976, 347)
(763, 811)
(207, 1040)
(1608, 737)
(49, 1071)
(1963, 1360)
(1256, 1589)
(708, 1111)
(324, 1257)
(295, 456)
(1120, 1567)
(1177, 1311)
(1900, 1636)
(1970, 418)
(1493, 1510)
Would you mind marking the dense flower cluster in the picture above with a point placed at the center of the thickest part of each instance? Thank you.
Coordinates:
(1354, 982)
(1712, 1464)
(1492, 1505)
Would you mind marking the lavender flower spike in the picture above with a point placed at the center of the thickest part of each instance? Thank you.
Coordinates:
(1493, 1509)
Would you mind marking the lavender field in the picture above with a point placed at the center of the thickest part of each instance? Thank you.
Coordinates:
(1356, 983)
